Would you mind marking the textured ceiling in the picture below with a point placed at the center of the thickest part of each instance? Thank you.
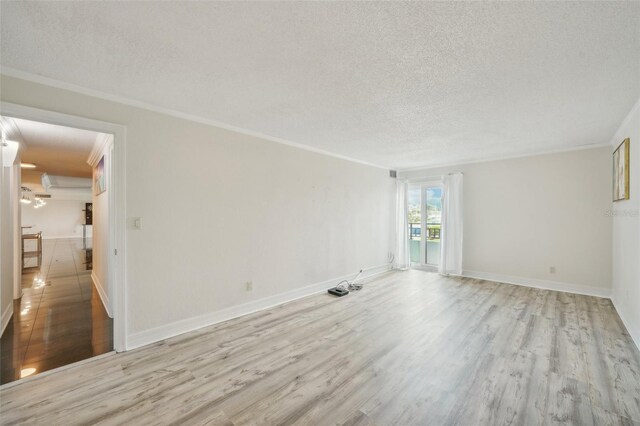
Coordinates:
(395, 84)
(56, 150)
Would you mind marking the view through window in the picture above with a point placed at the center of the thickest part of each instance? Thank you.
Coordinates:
(424, 238)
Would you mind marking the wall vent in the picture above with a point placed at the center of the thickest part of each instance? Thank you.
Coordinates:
(393, 173)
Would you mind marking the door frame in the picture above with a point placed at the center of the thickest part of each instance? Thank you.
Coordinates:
(117, 203)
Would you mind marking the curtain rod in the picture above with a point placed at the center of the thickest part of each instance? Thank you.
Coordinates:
(428, 178)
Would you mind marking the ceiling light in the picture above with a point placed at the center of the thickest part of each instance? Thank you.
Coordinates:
(27, 165)
(27, 195)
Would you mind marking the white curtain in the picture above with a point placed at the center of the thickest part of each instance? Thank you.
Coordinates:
(451, 226)
(402, 257)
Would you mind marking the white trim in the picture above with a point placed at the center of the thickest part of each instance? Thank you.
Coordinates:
(541, 284)
(117, 217)
(500, 158)
(615, 139)
(153, 335)
(10, 128)
(6, 317)
(23, 75)
(102, 141)
(17, 231)
(633, 331)
(102, 293)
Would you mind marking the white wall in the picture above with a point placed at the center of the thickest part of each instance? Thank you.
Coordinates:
(221, 208)
(524, 215)
(57, 219)
(100, 272)
(626, 232)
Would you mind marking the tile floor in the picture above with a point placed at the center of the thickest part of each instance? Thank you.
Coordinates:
(60, 318)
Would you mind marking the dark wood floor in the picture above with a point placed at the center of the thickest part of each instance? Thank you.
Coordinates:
(411, 348)
(59, 319)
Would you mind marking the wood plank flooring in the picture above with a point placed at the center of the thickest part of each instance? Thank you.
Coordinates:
(411, 348)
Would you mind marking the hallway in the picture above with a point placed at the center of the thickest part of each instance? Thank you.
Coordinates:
(60, 318)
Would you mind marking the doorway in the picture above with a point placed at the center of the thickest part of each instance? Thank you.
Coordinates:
(56, 288)
(425, 219)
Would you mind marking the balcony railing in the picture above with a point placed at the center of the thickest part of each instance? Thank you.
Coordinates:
(432, 245)
(433, 231)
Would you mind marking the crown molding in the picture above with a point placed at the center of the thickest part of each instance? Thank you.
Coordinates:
(39, 79)
(501, 158)
(10, 128)
(615, 139)
(102, 141)
(46, 81)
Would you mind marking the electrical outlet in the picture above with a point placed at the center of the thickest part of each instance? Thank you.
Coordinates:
(248, 286)
(137, 222)
(552, 269)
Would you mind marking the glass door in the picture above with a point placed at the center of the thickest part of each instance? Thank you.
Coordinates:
(433, 216)
(424, 219)
(414, 211)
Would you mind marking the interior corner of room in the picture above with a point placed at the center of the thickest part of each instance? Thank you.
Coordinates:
(320, 213)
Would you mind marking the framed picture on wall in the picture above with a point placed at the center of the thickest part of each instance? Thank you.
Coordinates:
(621, 171)
(99, 181)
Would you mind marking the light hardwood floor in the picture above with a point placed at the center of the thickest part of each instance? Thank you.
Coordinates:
(410, 348)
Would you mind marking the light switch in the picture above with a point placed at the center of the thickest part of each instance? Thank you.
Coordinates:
(137, 222)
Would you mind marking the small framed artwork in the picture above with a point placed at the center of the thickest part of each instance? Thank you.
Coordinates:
(99, 182)
(621, 171)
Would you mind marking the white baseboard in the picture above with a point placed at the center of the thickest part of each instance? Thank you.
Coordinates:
(6, 317)
(633, 330)
(624, 316)
(102, 293)
(153, 335)
(541, 284)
